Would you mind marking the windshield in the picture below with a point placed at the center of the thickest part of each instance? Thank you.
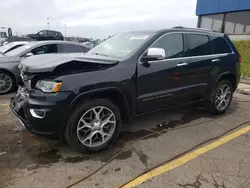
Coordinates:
(6, 47)
(3, 35)
(121, 45)
(19, 50)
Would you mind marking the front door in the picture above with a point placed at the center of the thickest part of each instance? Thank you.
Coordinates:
(158, 84)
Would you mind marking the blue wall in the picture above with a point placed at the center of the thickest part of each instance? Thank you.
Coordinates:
(218, 6)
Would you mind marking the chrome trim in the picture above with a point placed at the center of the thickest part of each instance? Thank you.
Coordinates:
(33, 113)
(182, 64)
(216, 60)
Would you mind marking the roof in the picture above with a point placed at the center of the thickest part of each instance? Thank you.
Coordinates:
(220, 6)
(192, 30)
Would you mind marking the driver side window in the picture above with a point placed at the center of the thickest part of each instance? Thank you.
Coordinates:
(172, 44)
(51, 48)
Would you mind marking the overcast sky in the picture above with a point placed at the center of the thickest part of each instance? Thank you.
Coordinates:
(96, 18)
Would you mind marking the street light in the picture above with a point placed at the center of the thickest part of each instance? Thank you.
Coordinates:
(65, 27)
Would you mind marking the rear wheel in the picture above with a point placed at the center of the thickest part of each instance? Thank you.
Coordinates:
(94, 125)
(221, 97)
(7, 82)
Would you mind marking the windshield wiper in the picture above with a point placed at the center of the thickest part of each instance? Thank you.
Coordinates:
(100, 54)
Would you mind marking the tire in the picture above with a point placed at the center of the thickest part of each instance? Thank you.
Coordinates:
(11, 78)
(214, 103)
(73, 136)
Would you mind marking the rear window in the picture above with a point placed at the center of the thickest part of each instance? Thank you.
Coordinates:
(220, 45)
(70, 48)
(198, 45)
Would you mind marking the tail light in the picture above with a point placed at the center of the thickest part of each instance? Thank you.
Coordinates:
(240, 59)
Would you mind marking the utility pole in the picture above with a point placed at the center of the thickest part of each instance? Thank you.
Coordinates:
(48, 22)
(65, 27)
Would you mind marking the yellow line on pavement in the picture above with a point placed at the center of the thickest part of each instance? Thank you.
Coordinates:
(184, 159)
(4, 104)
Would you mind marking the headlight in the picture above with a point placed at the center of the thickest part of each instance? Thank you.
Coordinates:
(48, 86)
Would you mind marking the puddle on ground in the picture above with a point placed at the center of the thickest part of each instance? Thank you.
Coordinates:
(44, 152)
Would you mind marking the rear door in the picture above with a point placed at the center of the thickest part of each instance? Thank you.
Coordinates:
(158, 84)
(194, 78)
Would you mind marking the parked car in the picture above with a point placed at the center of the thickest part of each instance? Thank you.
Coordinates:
(88, 98)
(9, 71)
(47, 35)
(11, 46)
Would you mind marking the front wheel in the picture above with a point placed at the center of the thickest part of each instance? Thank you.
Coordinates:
(93, 126)
(7, 82)
(221, 97)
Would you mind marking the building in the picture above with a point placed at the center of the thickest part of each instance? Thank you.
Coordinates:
(227, 16)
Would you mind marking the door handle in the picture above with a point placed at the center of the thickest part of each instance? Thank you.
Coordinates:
(216, 60)
(182, 64)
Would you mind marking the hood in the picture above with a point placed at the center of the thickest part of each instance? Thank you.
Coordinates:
(48, 62)
(4, 59)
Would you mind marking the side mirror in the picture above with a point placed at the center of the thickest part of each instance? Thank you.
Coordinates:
(28, 54)
(154, 54)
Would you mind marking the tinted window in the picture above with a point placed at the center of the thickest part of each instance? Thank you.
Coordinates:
(67, 48)
(51, 48)
(172, 44)
(43, 32)
(198, 45)
(220, 45)
(51, 33)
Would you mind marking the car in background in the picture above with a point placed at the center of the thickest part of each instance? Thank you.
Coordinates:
(11, 46)
(9, 71)
(47, 35)
(4, 34)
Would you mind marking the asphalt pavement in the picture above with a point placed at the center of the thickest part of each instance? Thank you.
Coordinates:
(28, 160)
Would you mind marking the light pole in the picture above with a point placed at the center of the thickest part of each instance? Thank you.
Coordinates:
(48, 22)
(65, 27)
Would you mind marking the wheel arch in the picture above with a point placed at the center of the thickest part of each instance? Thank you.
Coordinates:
(230, 77)
(113, 94)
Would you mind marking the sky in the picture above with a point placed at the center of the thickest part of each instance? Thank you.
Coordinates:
(96, 18)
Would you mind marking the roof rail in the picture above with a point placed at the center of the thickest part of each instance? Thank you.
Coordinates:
(201, 29)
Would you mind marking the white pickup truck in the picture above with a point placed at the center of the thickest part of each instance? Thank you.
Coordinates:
(4, 34)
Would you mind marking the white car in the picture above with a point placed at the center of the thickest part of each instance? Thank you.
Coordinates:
(11, 46)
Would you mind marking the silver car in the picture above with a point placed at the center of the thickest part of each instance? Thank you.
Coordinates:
(9, 71)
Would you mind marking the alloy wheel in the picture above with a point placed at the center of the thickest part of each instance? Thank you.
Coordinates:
(223, 97)
(5, 83)
(96, 126)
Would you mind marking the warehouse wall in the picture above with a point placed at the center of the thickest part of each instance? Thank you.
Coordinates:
(218, 6)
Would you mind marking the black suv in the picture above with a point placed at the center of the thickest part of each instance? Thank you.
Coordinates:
(47, 35)
(88, 98)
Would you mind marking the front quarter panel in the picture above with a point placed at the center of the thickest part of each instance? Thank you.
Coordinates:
(121, 76)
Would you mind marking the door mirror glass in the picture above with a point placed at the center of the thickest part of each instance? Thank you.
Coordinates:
(28, 54)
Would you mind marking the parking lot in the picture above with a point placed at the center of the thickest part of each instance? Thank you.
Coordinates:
(27, 160)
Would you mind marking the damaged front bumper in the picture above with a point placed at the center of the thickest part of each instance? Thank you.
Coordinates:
(42, 114)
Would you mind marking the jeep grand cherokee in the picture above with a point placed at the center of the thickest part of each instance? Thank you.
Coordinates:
(87, 98)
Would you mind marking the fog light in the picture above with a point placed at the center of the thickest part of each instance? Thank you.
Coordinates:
(37, 113)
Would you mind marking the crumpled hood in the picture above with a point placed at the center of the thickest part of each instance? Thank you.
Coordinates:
(48, 62)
